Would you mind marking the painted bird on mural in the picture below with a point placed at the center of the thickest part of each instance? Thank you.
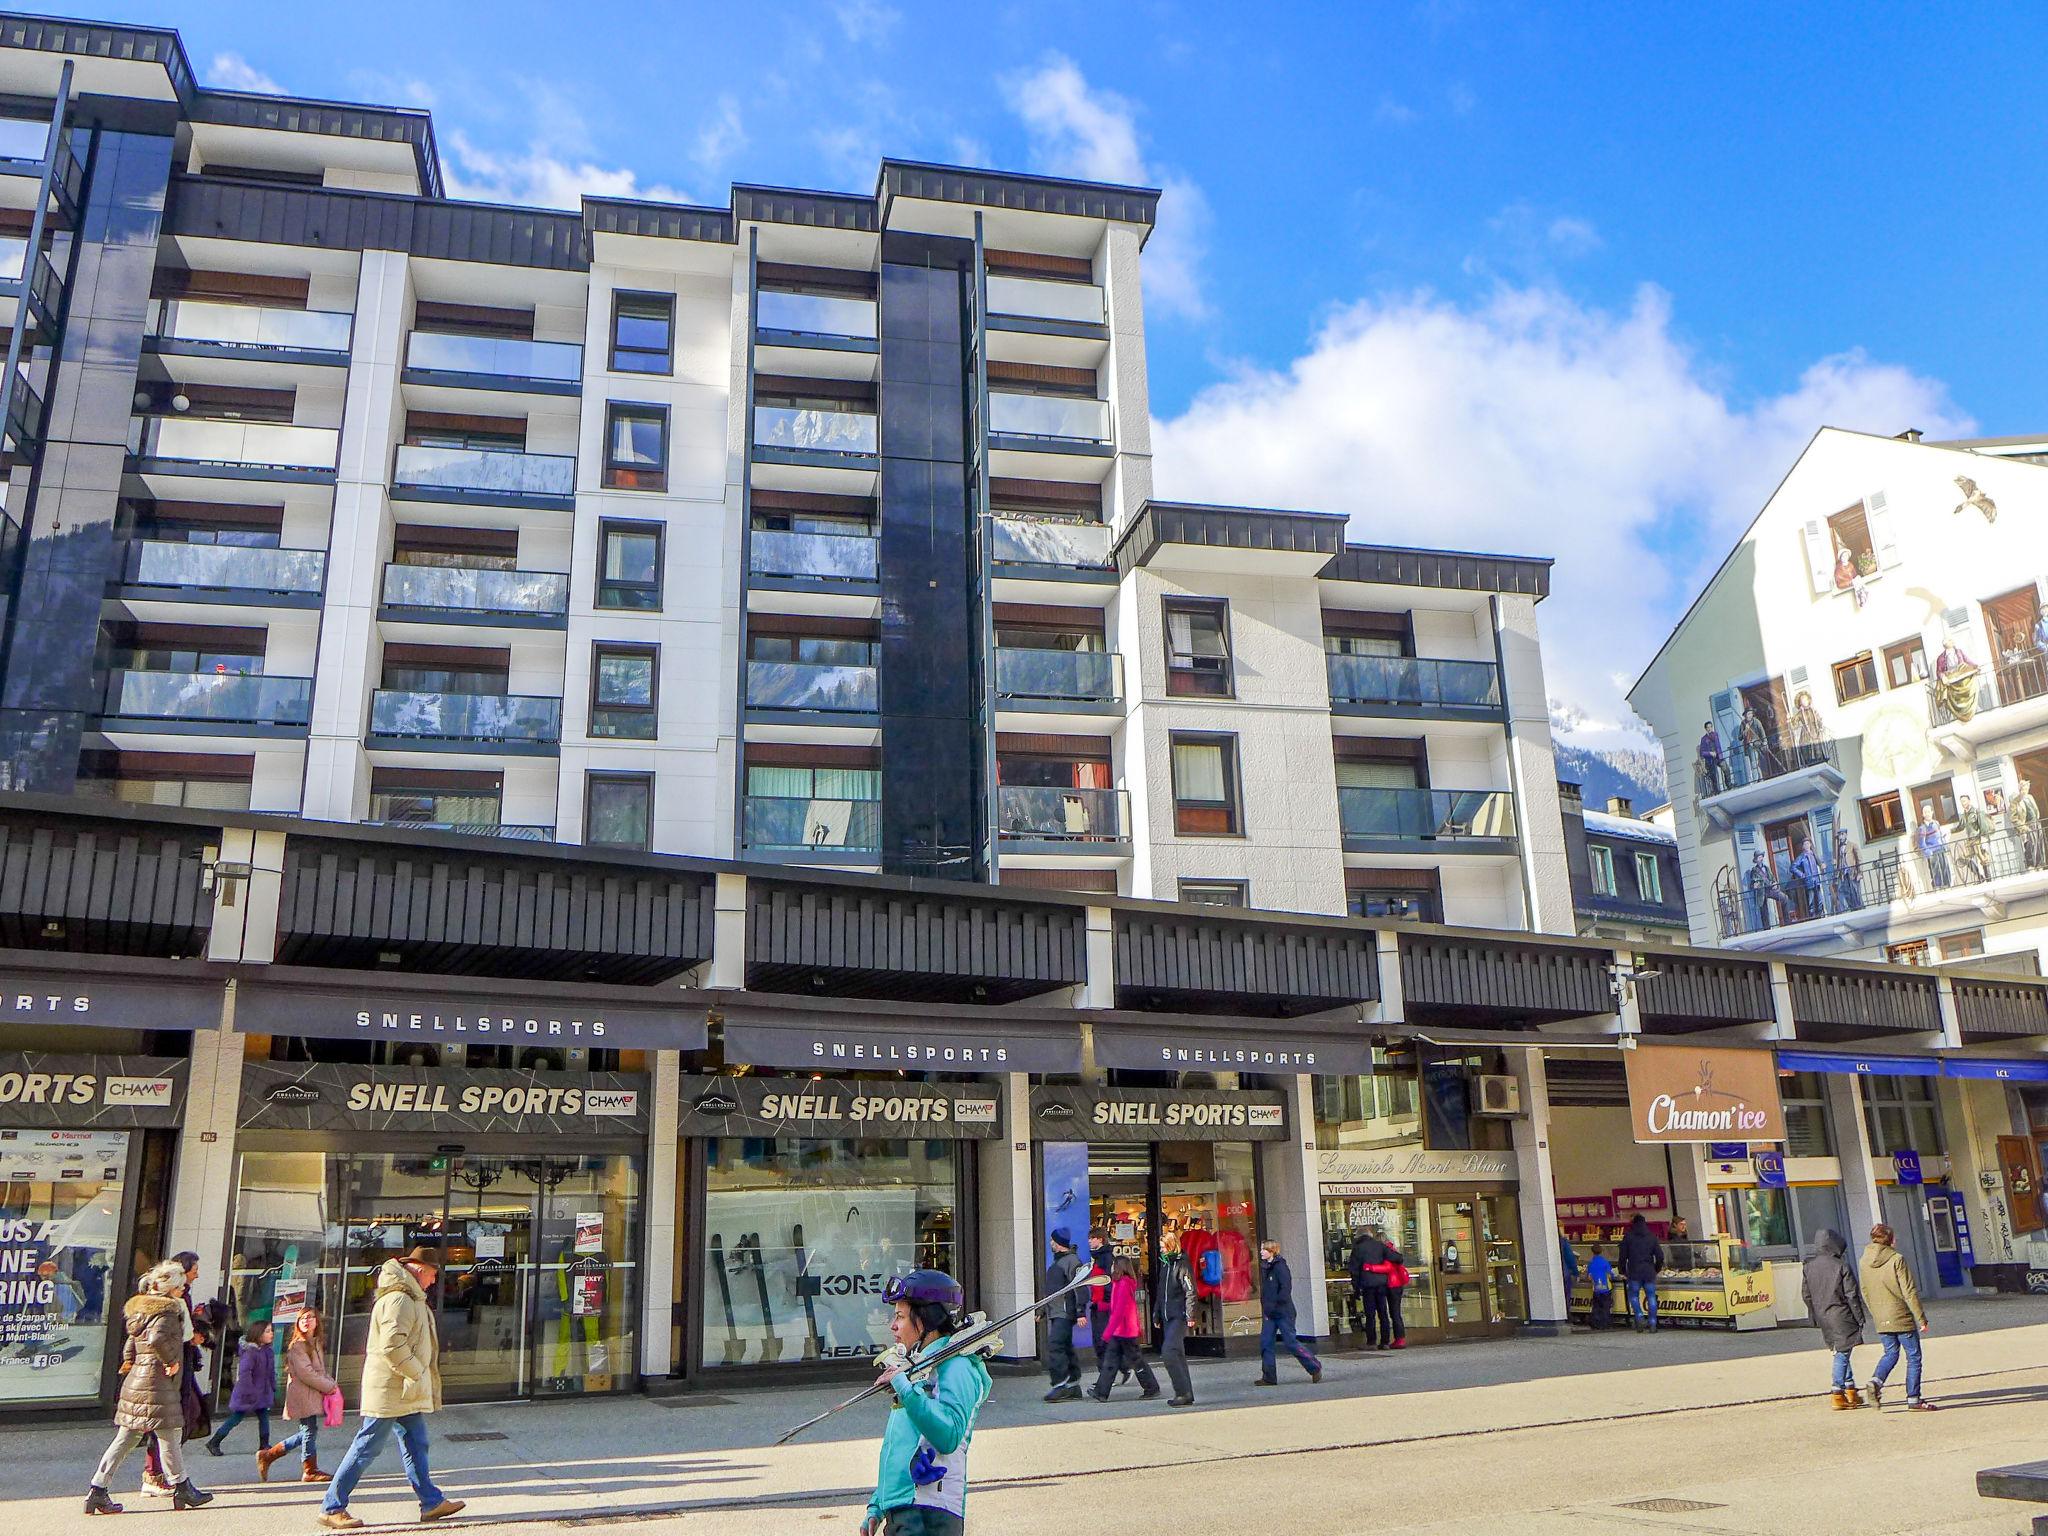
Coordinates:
(1973, 497)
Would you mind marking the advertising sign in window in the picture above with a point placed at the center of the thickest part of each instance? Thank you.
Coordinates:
(60, 1223)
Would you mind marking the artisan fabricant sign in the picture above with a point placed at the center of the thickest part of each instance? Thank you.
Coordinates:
(326, 1096)
(828, 1109)
(488, 1016)
(109, 1002)
(1690, 1093)
(834, 1042)
(1157, 1114)
(1196, 1049)
(90, 1092)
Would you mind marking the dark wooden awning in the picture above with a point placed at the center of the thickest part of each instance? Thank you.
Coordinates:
(1990, 1009)
(1702, 990)
(1474, 981)
(1182, 964)
(112, 887)
(1839, 1003)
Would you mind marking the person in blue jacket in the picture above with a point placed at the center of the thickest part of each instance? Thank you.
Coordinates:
(1276, 1303)
(922, 1489)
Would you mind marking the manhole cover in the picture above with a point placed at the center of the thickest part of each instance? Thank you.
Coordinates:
(1670, 1506)
(475, 1435)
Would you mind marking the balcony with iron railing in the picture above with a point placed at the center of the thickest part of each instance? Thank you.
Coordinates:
(814, 688)
(1376, 819)
(1059, 681)
(812, 559)
(1052, 819)
(449, 594)
(1764, 771)
(830, 830)
(501, 477)
(1414, 687)
(205, 703)
(505, 363)
(253, 330)
(176, 571)
(199, 445)
(467, 722)
(1970, 706)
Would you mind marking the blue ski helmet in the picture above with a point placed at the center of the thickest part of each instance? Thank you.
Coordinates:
(934, 1286)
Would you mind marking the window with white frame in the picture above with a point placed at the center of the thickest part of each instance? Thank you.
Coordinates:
(1601, 862)
(1649, 879)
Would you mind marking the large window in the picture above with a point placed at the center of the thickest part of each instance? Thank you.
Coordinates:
(624, 684)
(1855, 678)
(1808, 1130)
(635, 447)
(1205, 786)
(64, 1188)
(643, 332)
(1905, 662)
(1783, 1223)
(1902, 1116)
(1601, 862)
(1403, 895)
(629, 565)
(1649, 878)
(1197, 647)
(617, 810)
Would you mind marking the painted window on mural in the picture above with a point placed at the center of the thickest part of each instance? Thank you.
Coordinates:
(1905, 663)
(1850, 548)
(1855, 678)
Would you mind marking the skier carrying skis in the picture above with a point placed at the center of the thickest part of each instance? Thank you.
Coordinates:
(922, 1490)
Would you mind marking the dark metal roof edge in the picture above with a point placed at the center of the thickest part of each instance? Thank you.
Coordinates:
(415, 125)
(177, 65)
(1221, 527)
(672, 221)
(1016, 190)
(1523, 575)
(849, 212)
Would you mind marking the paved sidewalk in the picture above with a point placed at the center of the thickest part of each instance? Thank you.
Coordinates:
(615, 1457)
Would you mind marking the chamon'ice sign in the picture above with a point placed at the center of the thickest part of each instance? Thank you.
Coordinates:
(1703, 1093)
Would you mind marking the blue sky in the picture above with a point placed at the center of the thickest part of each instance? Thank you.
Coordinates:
(1576, 280)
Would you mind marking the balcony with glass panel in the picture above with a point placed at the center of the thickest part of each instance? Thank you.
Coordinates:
(1414, 688)
(493, 723)
(204, 703)
(29, 286)
(1048, 436)
(506, 364)
(803, 560)
(815, 448)
(1433, 821)
(493, 477)
(1052, 821)
(1045, 320)
(815, 335)
(25, 144)
(514, 832)
(173, 571)
(810, 692)
(1059, 682)
(1051, 549)
(207, 329)
(210, 447)
(820, 829)
(447, 594)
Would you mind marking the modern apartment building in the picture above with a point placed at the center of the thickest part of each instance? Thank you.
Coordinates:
(816, 529)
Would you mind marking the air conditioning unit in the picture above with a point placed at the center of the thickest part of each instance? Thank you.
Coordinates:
(1498, 1095)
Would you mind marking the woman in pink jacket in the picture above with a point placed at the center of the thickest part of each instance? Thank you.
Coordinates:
(306, 1385)
(1125, 1328)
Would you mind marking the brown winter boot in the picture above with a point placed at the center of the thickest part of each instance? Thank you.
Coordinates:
(265, 1460)
(1839, 1399)
(315, 1475)
(1854, 1401)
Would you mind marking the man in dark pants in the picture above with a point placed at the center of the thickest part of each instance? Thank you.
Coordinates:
(1061, 1317)
(1102, 1256)
(1371, 1262)
(1174, 1307)
(1276, 1302)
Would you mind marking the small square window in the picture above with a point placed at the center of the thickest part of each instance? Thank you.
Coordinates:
(1601, 862)
(1966, 945)
(1855, 678)
(618, 809)
(635, 447)
(629, 565)
(1905, 662)
(1197, 647)
(1937, 796)
(1649, 878)
(1205, 786)
(1215, 893)
(624, 686)
(1883, 815)
(643, 332)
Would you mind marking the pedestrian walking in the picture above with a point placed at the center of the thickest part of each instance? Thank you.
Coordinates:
(1122, 1351)
(401, 1386)
(1276, 1306)
(1372, 1260)
(922, 1489)
(255, 1391)
(306, 1387)
(1642, 1260)
(1600, 1273)
(1061, 1318)
(1567, 1262)
(1174, 1309)
(1894, 1305)
(1835, 1303)
(1398, 1280)
(1101, 1255)
(201, 1329)
(152, 1366)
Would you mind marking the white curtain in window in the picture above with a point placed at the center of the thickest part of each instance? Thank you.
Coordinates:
(1198, 772)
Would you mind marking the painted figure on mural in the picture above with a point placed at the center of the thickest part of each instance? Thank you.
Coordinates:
(1809, 732)
(1806, 896)
(1754, 738)
(1848, 877)
(2025, 815)
(1973, 497)
(1955, 682)
(1713, 770)
(1766, 898)
(1975, 856)
(1933, 845)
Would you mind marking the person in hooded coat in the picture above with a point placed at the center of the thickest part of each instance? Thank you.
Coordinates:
(1834, 1300)
(151, 1402)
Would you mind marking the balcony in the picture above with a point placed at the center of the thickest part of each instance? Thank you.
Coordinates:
(496, 723)
(440, 594)
(806, 449)
(1415, 688)
(28, 283)
(814, 335)
(24, 140)
(828, 831)
(201, 328)
(24, 145)
(510, 831)
(1054, 549)
(502, 363)
(1034, 819)
(233, 450)
(171, 571)
(23, 423)
(492, 477)
(1776, 772)
(205, 703)
(808, 687)
(1048, 437)
(1033, 298)
(826, 560)
(2010, 698)
(1056, 682)
(1376, 820)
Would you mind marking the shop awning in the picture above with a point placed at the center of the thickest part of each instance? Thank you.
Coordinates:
(1151, 1042)
(845, 1035)
(1862, 1066)
(109, 991)
(2035, 1071)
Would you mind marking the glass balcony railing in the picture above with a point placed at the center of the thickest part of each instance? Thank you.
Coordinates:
(1037, 299)
(1027, 675)
(481, 717)
(484, 471)
(1051, 541)
(1414, 682)
(1059, 418)
(223, 567)
(251, 325)
(459, 589)
(24, 138)
(1431, 814)
(816, 431)
(818, 556)
(1041, 813)
(787, 824)
(502, 357)
(814, 314)
(224, 698)
(251, 444)
(13, 258)
(811, 685)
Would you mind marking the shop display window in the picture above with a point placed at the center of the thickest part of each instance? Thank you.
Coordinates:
(1402, 1219)
(60, 1225)
(1379, 1110)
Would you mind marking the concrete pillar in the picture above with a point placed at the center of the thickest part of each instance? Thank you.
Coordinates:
(659, 1214)
(729, 933)
(1293, 1196)
(245, 909)
(1690, 1196)
(1392, 1007)
(1852, 1148)
(1010, 1267)
(1532, 767)
(1130, 479)
(1099, 991)
(1951, 1024)
(1547, 1300)
(203, 1183)
(1782, 1026)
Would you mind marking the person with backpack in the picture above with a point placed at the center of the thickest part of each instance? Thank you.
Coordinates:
(1835, 1303)
(1601, 1273)
(1642, 1260)
(1124, 1327)
(922, 1487)
(1061, 1318)
(1175, 1311)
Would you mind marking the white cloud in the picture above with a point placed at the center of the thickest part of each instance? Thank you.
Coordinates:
(1080, 131)
(1529, 423)
(866, 21)
(1573, 237)
(232, 72)
(723, 136)
(540, 176)
(1399, 113)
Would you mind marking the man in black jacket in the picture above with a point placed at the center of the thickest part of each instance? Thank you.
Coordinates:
(1174, 1308)
(1061, 1317)
(1642, 1260)
(1370, 1258)
(1276, 1303)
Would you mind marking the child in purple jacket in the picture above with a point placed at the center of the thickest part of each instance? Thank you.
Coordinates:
(255, 1390)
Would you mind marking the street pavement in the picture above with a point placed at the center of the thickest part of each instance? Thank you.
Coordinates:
(1532, 1435)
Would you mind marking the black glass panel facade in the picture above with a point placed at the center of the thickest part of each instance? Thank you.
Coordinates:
(932, 792)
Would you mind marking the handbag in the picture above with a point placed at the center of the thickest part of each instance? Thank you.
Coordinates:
(330, 1409)
(1397, 1275)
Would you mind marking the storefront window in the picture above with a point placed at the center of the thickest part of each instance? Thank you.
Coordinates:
(1808, 1131)
(1368, 1111)
(1401, 1219)
(1206, 1195)
(801, 1236)
(60, 1225)
(1901, 1115)
(1762, 1218)
(1502, 1233)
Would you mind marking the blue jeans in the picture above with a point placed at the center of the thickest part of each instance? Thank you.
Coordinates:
(1280, 1330)
(1642, 1299)
(1889, 1357)
(260, 1415)
(306, 1442)
(1845, 1376)
(365, 1448)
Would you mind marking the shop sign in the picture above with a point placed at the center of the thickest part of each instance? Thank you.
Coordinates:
(328, 1096)
(1417, 1166)
(487, 1017)
(1082, 1113)
(1906, 1167)
(114, 1092)
(825, 1109)
(58, 1242)
(2019, 1166)
(109, 1002)
(1685, 1093)
(1196, 1049)
(1770, 1169)
(827, 1042)
(1642, 1198)
(1365, 1191)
